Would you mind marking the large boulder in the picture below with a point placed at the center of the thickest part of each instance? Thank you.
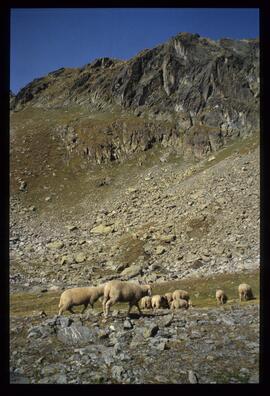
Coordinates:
(77, 335)
(102, 229)
(132, 271)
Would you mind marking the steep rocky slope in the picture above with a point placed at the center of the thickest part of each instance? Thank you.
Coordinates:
(97, 189)
(168, 219)
(193, 93)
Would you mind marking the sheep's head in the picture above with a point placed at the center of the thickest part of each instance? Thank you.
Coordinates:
(168, 297)
(164, 302)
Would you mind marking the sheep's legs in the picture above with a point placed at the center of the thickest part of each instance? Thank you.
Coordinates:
(84, 308)
(129, 308)
(131, 305)
(109, 303)
(65, 308)
(105, 299)
(137, 305)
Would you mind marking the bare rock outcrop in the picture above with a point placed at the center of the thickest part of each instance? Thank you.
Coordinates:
(191, 92)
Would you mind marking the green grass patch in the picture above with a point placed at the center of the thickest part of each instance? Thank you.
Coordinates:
(25, 304)
(202, 292)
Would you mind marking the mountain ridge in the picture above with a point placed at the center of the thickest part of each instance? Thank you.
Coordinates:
(202, 93)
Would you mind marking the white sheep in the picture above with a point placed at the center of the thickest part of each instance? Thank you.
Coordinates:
(179, 303)
(182, 294)
(120, 291)
(79, 296)
(245, 292)
(168, 297)
(145, 302)
(158, 302)
(221, 296)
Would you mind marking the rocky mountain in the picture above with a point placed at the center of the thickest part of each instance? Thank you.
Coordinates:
(144, 170)
(84, 147)
(190, 92)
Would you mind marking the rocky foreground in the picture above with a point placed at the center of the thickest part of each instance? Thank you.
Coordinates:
(213, 345)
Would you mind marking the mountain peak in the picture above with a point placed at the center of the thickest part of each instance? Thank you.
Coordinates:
(199, 84)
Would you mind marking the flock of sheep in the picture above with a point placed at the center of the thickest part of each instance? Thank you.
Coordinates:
(135, 294)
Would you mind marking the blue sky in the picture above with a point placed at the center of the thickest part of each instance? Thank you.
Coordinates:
(43, 40)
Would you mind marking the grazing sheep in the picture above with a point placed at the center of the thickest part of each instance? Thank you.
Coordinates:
(182, 294)
(79, 296)
(145, 302)
(245, 292)
(159, 302)
(221, 296)
(179, 303)
(168, 297)
(120, 291)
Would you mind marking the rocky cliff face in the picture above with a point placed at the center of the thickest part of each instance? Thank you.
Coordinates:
(205, 91)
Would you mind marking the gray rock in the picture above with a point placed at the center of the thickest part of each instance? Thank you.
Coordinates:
(23, 185)
(67, 259)
(155, 267)
(150, 331)
(54, 379)
(121, 267)
(128, 324)
(192, 377)
(40, 332)
(132, 271)
(244, 371)
(254, 379)
(55, 245)
(227, 321)
(59, 379)
(167, 321)
(64, 321)
(115, 313)
(54, 368)
(102, 229)
(18, 379)
(97, 378)
(103, 334)
(80, 257)
(160, 343)
(117, 348)
(117, 372)
(164, 333)
(77, 335)
(181, 322)
(167, 238)
(72, 228)
(160, 250)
